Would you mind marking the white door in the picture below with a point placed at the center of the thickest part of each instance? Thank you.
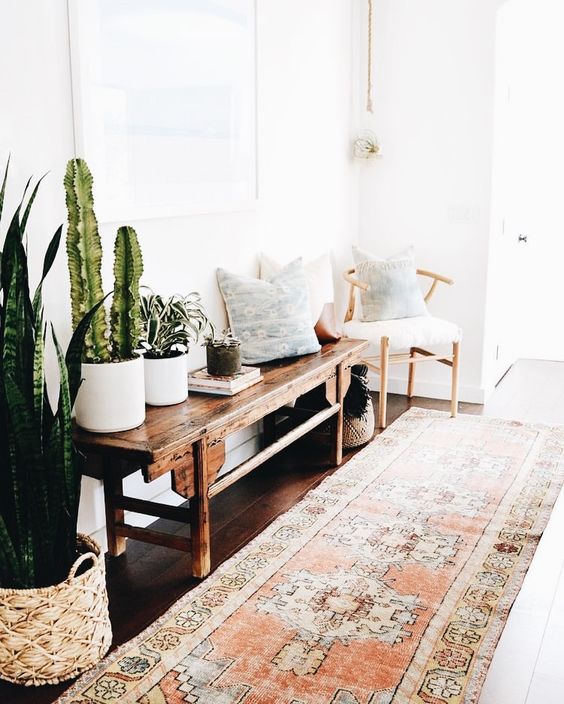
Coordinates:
(528, 236)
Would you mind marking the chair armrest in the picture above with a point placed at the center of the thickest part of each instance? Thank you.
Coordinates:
(436, 278)
(348, 276)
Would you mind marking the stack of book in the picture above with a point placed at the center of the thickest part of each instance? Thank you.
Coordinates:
(205, 383)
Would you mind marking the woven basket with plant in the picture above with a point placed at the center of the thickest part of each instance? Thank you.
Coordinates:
(358, 417)
(358, 411)
(53, 604)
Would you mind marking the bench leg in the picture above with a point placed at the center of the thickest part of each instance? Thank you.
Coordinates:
(113, 488)
(337, 425)
(200, 515)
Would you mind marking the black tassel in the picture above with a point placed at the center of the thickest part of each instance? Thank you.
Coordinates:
(358, 395)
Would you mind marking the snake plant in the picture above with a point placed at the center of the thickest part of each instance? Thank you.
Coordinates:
(171, 325)
(84, 252)
(40, 469)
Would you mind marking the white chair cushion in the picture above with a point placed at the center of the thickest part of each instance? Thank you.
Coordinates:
(421, 331)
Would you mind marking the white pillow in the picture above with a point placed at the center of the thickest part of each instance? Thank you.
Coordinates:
(319, 274)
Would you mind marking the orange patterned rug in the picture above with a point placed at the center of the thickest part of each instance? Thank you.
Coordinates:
(391, 582)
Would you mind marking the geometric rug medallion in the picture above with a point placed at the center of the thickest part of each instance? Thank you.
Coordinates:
(389, 583)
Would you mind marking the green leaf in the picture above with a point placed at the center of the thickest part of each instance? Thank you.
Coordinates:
(21, 422)
(84, 250)
(70, 470)
(30, 204)
(39, 467)
(64, 414)
(125, 316)
(48, 261)
(8, 254)
(10, 571)
(39, 374)
(3, 188)
(75, 349)
(172, 325)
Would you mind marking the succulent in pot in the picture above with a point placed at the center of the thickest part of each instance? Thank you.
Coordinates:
(170, 326)
(53, 598)
(223, 354)
(112, 396)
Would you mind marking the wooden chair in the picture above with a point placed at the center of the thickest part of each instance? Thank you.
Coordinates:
(404, 341)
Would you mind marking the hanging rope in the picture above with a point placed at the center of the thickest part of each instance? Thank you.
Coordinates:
(369, 104)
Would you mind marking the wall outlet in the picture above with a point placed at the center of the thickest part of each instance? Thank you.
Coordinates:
(463, 214)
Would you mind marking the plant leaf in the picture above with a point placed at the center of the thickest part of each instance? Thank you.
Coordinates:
(48, 261)
(75, 349)
(3, 188)
(125, 316)
(84, 250)
(30, 204)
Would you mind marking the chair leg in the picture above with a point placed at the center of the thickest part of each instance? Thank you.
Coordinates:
(383, 401)
(455, 369)
(411, 375)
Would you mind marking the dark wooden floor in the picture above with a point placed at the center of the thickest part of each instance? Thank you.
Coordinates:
(145, 581)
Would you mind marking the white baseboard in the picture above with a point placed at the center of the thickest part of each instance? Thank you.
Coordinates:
(100, 537)
(437, 390)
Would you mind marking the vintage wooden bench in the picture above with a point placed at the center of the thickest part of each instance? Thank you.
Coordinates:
(188, 441)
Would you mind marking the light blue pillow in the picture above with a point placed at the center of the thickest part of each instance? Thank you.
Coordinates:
(271, 318)
(394, 291)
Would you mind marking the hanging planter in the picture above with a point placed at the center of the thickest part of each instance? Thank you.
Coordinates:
(366, 146)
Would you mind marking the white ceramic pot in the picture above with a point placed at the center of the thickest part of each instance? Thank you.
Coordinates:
(166, 380)
(111, 397)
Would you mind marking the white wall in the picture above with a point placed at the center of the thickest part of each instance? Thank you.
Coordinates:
(307, 183)
(434, 68)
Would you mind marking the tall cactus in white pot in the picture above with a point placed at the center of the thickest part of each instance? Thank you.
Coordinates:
(112, 396)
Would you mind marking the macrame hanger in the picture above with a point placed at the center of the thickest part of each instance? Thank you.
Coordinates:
(369, 103)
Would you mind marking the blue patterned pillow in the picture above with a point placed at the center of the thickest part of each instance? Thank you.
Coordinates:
(271, 318)
(393, 288)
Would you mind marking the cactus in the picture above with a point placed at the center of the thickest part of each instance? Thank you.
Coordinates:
(125, 316)
(84, 251)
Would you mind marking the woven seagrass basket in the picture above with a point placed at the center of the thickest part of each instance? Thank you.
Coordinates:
(358, 431)
(52, 634)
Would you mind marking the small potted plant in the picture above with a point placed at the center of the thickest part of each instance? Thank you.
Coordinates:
(53, 599)
(223, 354)
(112, 396)
(170, 326)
